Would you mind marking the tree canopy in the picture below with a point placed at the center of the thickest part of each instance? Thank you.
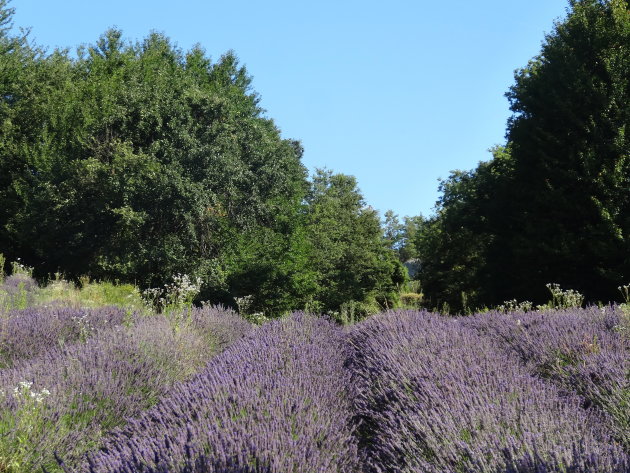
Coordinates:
(349, 251)
(137, 161)
(553, 205)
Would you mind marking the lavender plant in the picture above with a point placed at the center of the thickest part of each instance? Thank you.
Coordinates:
(94, 386)
(30, 332)
(274, 402)
(580, 349)
(431, 395)
(220, 326)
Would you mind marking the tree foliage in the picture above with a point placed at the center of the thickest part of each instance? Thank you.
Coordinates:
(401, 236)
(137, 161)
(572, 155)
(453, 245)
(349, 252)
(142, 162)
(554, 205)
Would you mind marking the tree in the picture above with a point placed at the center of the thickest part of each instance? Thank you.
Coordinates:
(401, 236)
(454, 245)
(411, 226)
(569, 211)
(135, 162)
(553, 206)
(393, 230)
(17, 86)
(349, 253)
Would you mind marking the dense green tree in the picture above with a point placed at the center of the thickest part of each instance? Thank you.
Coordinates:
(554, 206)
(349, 252)
(569, 209)
(393, 230)
(17, 85)
(453, 245)
(136, 162)
(273, 266)
(411, 226)
(401, 236)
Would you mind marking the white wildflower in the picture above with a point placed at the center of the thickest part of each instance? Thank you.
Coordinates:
(25, 385)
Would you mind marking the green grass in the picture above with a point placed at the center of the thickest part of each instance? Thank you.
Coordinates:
(91, 294)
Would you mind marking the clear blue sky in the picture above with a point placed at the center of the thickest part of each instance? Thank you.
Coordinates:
(396, 93)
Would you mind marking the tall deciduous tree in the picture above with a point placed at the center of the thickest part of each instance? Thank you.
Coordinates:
(554, 206)
(453, 246)
(137, 161)
(401, 236)
(17, 81)
(570, 206)
(349, 253)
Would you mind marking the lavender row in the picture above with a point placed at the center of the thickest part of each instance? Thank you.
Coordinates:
(431, 395)
(65, 401)
(29, 332)
(583, 350)
(274, 402)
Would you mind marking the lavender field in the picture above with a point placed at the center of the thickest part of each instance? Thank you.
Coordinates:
(110, 389)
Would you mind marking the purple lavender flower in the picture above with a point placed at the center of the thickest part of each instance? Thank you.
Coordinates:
(432, 395)
(17, 291)
(94, 386)
(582, 350)
(12, 284)
(274, 402)
(29, 332)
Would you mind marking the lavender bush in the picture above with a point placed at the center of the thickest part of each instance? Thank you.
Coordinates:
(274, 402)
(220, 326)
(402, 392)
(431, 395)
(29, 332)
(583, 350)
(65, 400)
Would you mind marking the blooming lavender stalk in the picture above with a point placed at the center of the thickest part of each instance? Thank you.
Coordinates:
(433, 396)
(18, 281)
(273, 402)
(582, 350)
(92, 387)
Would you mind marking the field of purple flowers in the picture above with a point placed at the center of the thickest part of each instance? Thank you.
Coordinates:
(114, 390)
(434, 394)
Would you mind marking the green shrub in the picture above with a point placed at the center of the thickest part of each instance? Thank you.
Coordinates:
(352, 311)
(411, 300)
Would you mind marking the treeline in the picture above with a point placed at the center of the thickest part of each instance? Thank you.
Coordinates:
(553, 203)
(135, 162)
